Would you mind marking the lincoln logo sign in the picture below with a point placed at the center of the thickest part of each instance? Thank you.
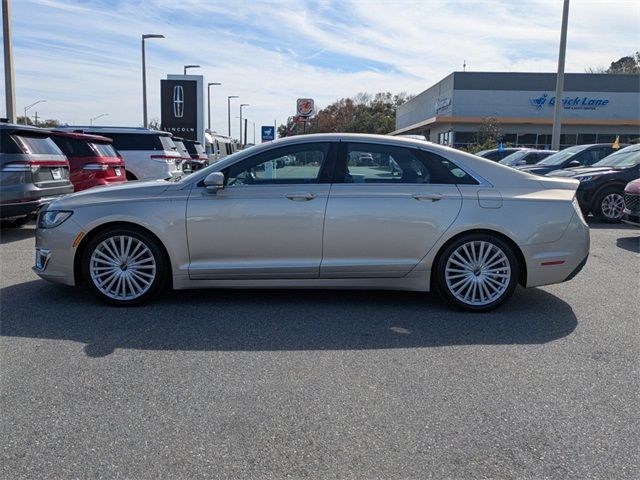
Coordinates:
(179, 108)
(178, 101)
(569, 103)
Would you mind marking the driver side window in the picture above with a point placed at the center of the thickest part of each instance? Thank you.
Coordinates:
(298, 164)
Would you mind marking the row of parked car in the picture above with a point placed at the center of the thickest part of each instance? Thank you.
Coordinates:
(607, 175)
(38, 165)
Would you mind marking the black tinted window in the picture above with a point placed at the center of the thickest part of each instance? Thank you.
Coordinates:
(74, 148)
(8, 143)
(135, 141)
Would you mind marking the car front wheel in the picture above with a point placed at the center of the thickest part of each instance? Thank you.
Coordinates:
(477, 272)
(609, 206)
(124, 267)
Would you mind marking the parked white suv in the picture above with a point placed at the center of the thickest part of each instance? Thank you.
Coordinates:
(147, 154)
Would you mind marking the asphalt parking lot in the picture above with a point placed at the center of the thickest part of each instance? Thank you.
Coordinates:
(299, 384)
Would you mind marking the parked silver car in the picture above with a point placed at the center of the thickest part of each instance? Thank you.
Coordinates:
(33, 172)
(446, 219)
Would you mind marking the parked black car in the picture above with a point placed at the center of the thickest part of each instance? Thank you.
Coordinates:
(33, 172)
(601, 189)
(199, 157)
(496, 154)
(577, 156)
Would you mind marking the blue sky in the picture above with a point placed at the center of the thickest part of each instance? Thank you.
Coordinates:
(83, 56)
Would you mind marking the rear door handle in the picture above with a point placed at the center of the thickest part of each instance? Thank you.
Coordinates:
(434, 197)
(300, 197)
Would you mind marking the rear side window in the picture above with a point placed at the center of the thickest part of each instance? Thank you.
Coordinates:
(194, 148)
(8, 143)
(373, 163)
(36, 144)
(72, 147)
(136, 141)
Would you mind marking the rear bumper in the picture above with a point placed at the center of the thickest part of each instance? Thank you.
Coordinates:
(557, 262)
(19, 209)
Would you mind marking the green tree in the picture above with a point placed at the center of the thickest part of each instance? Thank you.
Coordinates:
(625, 65)
(365, 113)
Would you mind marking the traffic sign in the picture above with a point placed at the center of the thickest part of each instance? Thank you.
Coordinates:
(268, 133)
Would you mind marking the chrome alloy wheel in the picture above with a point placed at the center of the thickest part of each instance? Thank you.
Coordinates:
(613, 206)
(122, 267)
(477, 273)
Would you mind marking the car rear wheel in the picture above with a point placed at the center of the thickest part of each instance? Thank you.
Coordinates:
(124, 267)
(477, 272)
(609, 206)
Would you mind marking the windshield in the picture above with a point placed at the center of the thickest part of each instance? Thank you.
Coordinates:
(562, 156)
(621, 159)
(512, 159)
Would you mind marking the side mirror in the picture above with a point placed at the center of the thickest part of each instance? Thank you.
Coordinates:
(214, 182)
(574, 163)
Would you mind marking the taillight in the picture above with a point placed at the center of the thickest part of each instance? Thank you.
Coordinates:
(33, 166)
(164, 158)
(95, 166)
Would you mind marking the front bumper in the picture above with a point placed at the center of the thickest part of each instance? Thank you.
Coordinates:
(55, 252)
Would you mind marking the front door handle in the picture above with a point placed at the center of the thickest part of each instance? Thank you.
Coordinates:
(301, 197)
(434, 197)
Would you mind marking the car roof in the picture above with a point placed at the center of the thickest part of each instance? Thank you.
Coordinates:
(14, 127)
(80, 136)
(106, 130)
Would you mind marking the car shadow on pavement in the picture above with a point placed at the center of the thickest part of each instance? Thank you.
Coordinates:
(259, 320)
(9, 235)
(629, 243)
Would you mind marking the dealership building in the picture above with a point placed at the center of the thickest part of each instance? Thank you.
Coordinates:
(596, 108)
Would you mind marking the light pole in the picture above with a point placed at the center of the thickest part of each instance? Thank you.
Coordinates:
(242, 105)
(209, 102)
(28, 107)
(184, 71)
(229, 112)
(557, 108)
(95, 118)
(9, 79)
(144, 77)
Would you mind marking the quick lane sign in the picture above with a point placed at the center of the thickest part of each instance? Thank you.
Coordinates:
(178, 108)
(569, 103)
(268, 133)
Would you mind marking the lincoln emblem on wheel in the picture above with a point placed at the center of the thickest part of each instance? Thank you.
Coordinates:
(309, 212)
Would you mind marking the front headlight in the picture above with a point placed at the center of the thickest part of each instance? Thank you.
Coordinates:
(588, 178)
(52, 218)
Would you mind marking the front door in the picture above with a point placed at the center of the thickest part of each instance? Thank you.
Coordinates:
(388, 207)
(268, 220)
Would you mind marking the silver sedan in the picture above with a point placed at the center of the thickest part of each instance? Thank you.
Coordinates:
(306, 212)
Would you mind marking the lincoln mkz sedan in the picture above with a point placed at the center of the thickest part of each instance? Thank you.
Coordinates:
(304, 212)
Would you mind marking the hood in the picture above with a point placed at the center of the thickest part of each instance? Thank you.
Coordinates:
(633, 187)
(126, 191)
(534, 168)
(580, 171)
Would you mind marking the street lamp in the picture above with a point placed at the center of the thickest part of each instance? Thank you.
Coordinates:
(28, 107)
(144, 77)
(189, 66)
(229, 111)
(95, 118)
(209, 102)
(242, 105)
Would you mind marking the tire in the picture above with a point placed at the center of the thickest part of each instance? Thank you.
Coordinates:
(609, 205)
(139, 278)
(17, 222)
(463, 278)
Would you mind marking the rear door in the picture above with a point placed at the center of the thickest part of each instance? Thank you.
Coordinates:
(383, 218)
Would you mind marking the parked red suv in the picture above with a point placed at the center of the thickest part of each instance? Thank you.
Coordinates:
(92, 159)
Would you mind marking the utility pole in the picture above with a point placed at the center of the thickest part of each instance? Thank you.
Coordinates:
(144, 77)
(209, 103)
(229, 112)
(9, 78)
(557, 110)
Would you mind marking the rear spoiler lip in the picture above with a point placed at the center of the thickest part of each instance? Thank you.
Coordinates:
(558, 183)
